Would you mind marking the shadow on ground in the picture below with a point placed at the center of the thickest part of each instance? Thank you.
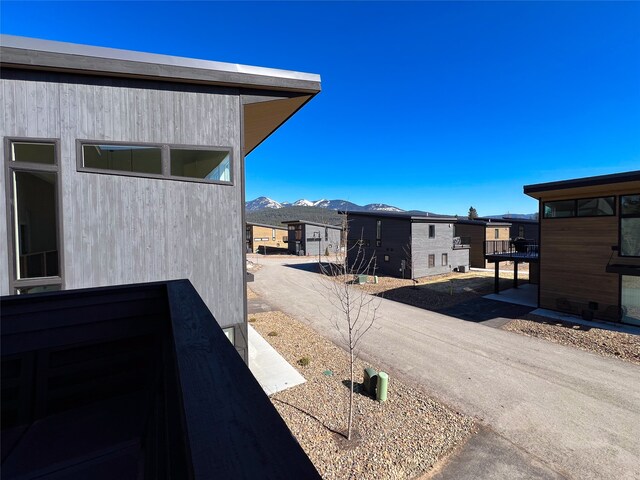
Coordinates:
(459, 297)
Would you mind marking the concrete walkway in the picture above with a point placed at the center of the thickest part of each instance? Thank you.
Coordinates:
(526, 295)
(560, 412)
(273, 372)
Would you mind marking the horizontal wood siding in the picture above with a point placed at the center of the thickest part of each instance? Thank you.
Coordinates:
(120, 229)
(258, 233)
(423, 246)
(575, 253)
(476, 235)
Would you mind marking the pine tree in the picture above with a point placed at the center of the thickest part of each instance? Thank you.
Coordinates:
(473, 214)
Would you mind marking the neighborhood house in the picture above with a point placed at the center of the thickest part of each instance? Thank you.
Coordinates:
(406, 245)
(590, 246)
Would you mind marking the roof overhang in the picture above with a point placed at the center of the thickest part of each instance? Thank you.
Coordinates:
(273, 95)
(585, 186)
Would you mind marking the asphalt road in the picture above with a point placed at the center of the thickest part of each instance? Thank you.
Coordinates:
(553, 411)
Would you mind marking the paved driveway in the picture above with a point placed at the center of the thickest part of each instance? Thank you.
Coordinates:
(556, 410)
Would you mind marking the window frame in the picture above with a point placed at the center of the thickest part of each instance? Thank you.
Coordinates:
(431, 260)
(445, 260)
(165, 155)
(622, 216)
(10, 167)
(431, 228)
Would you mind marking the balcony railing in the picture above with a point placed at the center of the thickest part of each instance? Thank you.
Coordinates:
(461, 242)
(519, 247)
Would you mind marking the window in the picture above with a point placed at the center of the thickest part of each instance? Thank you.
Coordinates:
(211, 165)
(123, 158)
(496, 233)
(445, 259)
(378, 233)
(273, 234)
(386, 258)
(521, 231)
(596, 207)
(561, 209)
(40, 153)
(630, 225)
(326, 234)
(34, 216)
(230, 334)
(630, 299)
(432, 260)
(432, 231)
(203, 164)
(584, 207)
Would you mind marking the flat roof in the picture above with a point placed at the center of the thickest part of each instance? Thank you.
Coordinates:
(338, 227)
(506, 218)
(486, 223)
(632, 176)
(254, 224)
(402, 215)
(42, 54)
(269, 96)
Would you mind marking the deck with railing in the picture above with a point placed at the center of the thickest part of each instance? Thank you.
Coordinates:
(521, 250)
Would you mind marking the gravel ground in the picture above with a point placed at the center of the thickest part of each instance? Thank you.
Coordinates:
(603, 342)
(441, 291)
(401, 438)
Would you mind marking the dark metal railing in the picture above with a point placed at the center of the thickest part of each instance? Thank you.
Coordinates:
(516, 247)
(461, 242)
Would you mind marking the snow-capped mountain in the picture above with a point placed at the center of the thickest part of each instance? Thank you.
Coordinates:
(261, 203)
(381, 207)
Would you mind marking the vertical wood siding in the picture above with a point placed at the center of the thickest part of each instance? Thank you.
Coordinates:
(120, 229)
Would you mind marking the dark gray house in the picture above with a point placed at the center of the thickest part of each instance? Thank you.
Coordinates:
(407, 245)
(310, 238)
(123, 167)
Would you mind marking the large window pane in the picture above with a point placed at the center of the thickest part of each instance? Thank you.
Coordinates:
(36, 236)
(38, 289)
(205, 164)
(630, 226)
(630, 237)
(123, 158)
(560, 209)
(630, 205)
(631, 299)
(591, 207)
(43, 153)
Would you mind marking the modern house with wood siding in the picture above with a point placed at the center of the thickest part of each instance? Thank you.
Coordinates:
(313, 239)
(590, 246)
(123, 167)
(263, 238)
(406, 245)
(484, 237)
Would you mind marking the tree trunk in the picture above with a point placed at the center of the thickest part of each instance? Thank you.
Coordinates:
(350, 422)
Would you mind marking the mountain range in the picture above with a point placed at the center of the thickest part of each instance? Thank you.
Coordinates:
(270, 212)
(261, 203)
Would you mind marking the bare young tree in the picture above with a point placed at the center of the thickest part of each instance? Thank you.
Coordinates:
(408, 263)
(355, 309)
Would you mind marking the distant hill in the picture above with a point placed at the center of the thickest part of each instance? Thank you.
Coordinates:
(275, 216)
(514, 216)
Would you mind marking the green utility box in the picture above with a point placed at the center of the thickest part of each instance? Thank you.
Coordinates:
(370, 381)
(381, 390)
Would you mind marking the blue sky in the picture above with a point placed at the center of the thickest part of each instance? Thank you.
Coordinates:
(425, 105)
